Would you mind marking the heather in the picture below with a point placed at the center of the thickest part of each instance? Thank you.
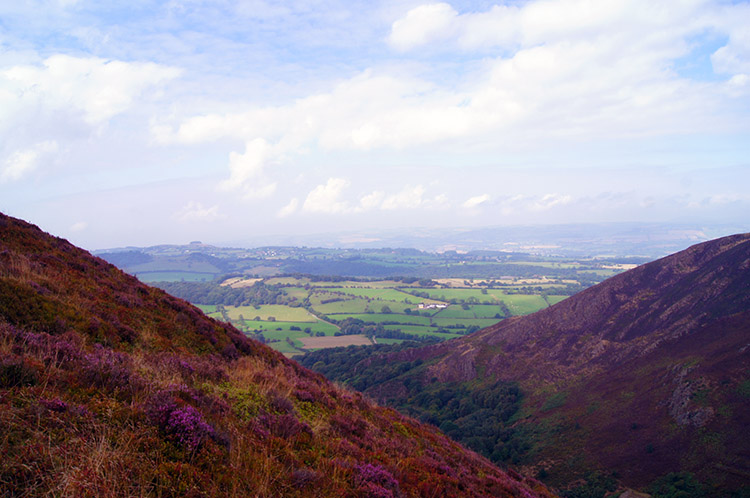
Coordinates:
(112, 388)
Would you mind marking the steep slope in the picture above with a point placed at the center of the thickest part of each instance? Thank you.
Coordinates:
(112, 388)
(644, 374)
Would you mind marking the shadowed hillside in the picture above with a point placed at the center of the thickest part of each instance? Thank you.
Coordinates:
(112, 388)
(645, 374)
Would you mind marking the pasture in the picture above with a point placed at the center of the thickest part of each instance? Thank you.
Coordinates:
(385, 317)
(265, 311)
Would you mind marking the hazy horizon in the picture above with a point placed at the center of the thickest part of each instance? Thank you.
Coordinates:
(158, 123)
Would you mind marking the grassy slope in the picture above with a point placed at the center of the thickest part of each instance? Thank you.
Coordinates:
(112, 388)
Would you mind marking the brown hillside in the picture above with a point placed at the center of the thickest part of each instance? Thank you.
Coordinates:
(112, 388)
(644, 374)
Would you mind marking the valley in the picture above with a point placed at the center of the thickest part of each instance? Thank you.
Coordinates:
(588, 376)
(639, 380)
(435, 297)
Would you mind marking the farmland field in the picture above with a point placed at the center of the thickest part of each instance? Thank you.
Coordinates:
(382, 294)
(376, 303)
(422, 331)
(520, 304)
(270, 329)
(381, 318)
(289, 310)
(555, 299)
(266, 311)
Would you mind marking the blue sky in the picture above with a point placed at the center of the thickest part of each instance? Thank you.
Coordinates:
(145, 122)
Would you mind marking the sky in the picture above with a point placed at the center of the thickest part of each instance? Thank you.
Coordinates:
(140, 123)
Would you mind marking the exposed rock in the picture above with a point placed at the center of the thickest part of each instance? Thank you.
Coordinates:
(680, 408)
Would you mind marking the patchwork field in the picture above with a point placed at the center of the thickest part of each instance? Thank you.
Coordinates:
(384, 310)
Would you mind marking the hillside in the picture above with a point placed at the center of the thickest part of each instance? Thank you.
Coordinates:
(109, 387)
(642, 375)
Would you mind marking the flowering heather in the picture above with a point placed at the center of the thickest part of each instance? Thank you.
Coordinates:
(184, 423)
(376, 480)
(110, 369)
(187, 425)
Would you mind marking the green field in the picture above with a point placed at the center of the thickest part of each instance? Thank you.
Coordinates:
(455, 311)
(412, 329)
(286, 327)
(265, 311)
(523, 304)
(446, 295)
(382, 294)
(422, 331)
(297, 292)
(384, 317)
(383, 340)
(485, 311)
(555, 299)
(356, 305)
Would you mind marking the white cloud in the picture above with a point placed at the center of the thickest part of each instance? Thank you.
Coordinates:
(539, 22)
(289, 209)
(22, 162)
(552, 70)
(79, 226)
(422, 25)
(734, 57)
(549, 201)
(476, 201)
(196, 212)
(327, 198)
(262, 191)
(97, 88)
(409, 198)
(524, 203)
(372, 200)
(247, 170)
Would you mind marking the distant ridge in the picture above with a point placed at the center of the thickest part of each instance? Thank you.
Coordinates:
(111, 388)
(644, 374)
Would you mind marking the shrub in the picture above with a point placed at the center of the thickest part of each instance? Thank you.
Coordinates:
(15, 373)
(187, 425)
(677, 484)
(375, 481)
(184, 423)
(109, 369)
(285, 426)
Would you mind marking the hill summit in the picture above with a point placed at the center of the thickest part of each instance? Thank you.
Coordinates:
(643, 376)
(109, 387)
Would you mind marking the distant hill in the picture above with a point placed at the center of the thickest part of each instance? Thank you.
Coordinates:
(643, 375)
(109, 387)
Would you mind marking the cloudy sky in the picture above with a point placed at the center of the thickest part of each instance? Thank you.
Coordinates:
(138, 123)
